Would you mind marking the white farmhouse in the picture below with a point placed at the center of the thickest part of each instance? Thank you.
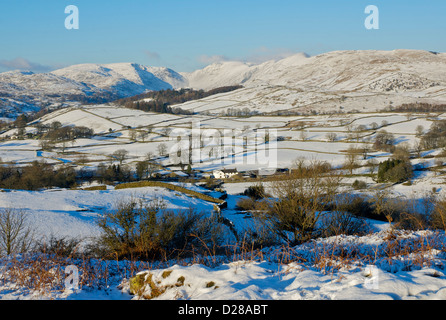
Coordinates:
(224, 174)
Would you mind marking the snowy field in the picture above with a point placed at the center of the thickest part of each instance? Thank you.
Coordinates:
(74, 213)
(298, 137)
(76, 209)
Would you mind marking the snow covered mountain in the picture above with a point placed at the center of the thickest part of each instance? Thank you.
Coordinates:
(123, 79)
(340, 80)
(27, 91)
(339, 70)
(22, 92)
(235, 72)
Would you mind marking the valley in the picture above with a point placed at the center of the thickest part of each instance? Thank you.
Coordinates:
(310, 168)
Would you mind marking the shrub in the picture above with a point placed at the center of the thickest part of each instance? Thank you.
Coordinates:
(339, 222)
(120, 155)
(135, 230)
(95, 188)
(437, 216)
(255, 192)
(246, 204)
(301, 200)
(259, 233)
(357, 205)
(413, 221)
(359, 185)
(61, 247)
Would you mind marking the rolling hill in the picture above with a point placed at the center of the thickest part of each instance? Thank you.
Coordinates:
(340, 81)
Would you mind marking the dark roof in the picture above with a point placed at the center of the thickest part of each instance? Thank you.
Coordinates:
(230, 171)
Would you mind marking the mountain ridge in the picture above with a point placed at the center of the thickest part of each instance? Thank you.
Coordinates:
(400, 72)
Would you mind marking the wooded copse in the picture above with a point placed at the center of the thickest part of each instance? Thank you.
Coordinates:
(161, 101)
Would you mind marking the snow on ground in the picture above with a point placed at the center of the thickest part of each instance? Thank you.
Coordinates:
(271, 281)
(103, 118)
(80, 117)
(370, 269)
(375, 274)
(74, 213)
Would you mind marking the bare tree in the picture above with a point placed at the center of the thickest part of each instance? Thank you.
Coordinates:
(142, 169)
(384, 141)
(46, 145)
(120, 155)
(151, 168)
(374, 126)
(15, 234)
(143, 135)
(419, 131)
(383, 204)
(162, 149)
(166, 131)
(365, 152)
(133, 134)
(417, 148)
(331, 136)
(351, 159)
(402, 152)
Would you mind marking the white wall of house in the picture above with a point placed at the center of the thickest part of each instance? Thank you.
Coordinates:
(219, 174)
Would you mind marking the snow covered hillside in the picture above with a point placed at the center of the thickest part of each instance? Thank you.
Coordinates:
(363, 81)
(21, 91)
(123, 79)
(338, 70)
(338, 81)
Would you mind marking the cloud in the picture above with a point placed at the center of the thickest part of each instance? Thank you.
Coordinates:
(206, 59)
(264, 54)
(258, 56)
(24, 65)
(153, 55)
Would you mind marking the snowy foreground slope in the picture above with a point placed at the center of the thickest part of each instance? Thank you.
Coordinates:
(74, 213)
(271, 281)
(338, 268)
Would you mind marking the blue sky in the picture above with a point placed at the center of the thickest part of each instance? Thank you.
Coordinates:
(188, 34)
